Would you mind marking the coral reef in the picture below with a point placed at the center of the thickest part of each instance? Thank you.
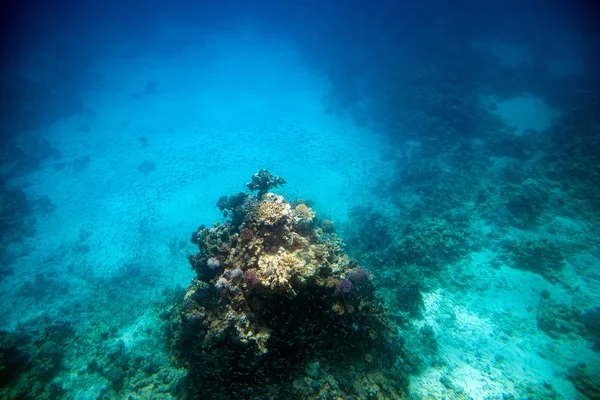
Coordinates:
(287, 314)
(31, 357)
(404, 254)
(430, 243)
(591, 322)
(586, 380)
(263, 181)
(528, 202)
(558, 319)
(540, 256)
(421, 348)
(17, 218)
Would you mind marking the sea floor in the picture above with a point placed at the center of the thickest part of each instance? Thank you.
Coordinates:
(162, 139)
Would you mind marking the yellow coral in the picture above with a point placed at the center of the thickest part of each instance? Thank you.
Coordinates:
(304, 213)
(272, 210)
(338, 308)
(277, 270)
(273, 273)
(289, 261)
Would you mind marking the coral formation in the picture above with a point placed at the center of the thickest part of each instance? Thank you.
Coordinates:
(591, 322)
(540, 256)
(586, 380)
(263, 181)
(528, 202)
(404, 253)
(17, 214)
(285, 302)
(30, 361)
(557, 319)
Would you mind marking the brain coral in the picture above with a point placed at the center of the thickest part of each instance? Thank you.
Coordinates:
(280, 307)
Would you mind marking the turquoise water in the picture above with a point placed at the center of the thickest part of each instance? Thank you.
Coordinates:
(455, 148)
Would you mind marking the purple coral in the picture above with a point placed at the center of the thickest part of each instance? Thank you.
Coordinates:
(194, 317)
(222, 283)
(213, 263)
(237, 274)
(359, 275)
(344, 286)
(252, 279)
(200, 294)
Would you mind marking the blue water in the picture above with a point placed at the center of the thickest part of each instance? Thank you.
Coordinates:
(455, 146)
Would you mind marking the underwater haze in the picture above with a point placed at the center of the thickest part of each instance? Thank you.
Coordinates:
(303, 199)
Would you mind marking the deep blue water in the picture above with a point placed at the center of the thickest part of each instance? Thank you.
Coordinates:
(455, 145)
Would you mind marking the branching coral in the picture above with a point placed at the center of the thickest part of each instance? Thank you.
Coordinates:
(263, 181)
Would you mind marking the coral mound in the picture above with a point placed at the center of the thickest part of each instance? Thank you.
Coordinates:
(286, 315)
